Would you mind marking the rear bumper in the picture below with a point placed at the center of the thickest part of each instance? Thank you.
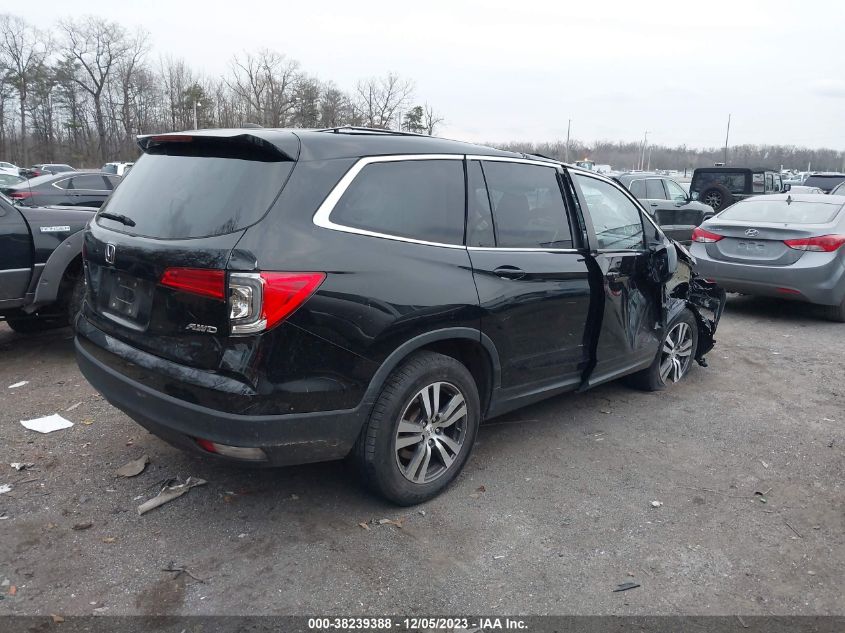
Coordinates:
(816, 277)
(286, 439)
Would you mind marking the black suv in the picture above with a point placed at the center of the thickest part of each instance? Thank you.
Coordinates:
(671, 207)
(287, 296)
(720, 187)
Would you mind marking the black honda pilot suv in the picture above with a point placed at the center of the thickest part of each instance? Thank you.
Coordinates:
(289, 296)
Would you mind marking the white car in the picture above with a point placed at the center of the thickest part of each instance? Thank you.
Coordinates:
(803, 189)
(8, 168)
(118, 168)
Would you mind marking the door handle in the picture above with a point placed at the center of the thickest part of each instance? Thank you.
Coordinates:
(509, 272)
(654, 204)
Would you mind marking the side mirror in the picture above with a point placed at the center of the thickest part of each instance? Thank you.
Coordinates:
(787, 187)
(662, 263)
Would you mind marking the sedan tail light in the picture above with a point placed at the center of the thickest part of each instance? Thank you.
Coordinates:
(822, 244)
(705, 237)
(21, 195)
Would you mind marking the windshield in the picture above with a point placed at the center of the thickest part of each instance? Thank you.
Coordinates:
(767, 210)
(199, 193)
(824, 182)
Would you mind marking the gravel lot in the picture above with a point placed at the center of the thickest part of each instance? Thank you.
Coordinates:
(552, 512)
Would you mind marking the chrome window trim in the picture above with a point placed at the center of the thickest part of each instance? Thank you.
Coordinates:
(56, 183)
(322, 217)
(509, 159)
(527, 249)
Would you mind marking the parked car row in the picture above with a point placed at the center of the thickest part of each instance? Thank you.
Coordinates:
(74, 189)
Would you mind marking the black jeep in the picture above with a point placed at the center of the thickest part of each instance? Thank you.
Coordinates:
(720, 187)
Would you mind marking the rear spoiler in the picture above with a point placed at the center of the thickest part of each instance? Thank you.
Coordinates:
(280, 146)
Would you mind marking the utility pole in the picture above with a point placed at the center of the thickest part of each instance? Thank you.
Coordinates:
(568, 129)
(642, 154)
(196, 119)
(727, 136)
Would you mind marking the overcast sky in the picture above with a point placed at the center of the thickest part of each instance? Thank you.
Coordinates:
(502, 70)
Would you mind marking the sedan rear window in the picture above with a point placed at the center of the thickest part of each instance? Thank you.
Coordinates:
(824, 182)
(796, 212)
(196, 190)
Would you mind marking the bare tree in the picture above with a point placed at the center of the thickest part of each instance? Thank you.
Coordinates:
(23, 52)
(431, 119)
(130, 70)
(379, 99)
(249, 82)
(96, 46)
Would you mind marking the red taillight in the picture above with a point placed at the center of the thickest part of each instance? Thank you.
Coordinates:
(285, 292)
(823, 243)
(21, 195)
(198, 281)
(705, 237)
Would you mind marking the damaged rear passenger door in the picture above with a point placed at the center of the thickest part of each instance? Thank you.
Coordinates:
(629, 334)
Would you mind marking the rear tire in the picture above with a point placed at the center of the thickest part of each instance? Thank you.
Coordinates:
(675, 356)
(75, 297)
(835, 313)
(717, 197)
(421, 430)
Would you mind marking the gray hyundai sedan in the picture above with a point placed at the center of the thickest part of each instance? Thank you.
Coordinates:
(782, 245)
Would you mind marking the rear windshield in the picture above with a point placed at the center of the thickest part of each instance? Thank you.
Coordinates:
(764, 210)
(733, 182)
(825, 182)
(188, 190)
(109, 168)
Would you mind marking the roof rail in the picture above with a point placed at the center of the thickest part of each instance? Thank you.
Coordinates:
(359, 129)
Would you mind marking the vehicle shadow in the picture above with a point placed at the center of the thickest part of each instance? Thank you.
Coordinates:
(773, 309)
(56, 344)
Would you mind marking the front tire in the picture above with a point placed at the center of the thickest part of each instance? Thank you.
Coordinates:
(675, 356)
(421, 430)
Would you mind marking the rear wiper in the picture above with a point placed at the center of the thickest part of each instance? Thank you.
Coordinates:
(117, 217)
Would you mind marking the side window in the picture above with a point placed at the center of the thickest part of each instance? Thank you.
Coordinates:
(676, 192)
(769, 185)
(479, 217)
(417, 199)
(528, 207)
(91, 182)
(66, 183)
(638, 188)
(654, 189)
(615, 218)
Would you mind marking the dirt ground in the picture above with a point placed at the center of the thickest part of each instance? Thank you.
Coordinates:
(552, 512)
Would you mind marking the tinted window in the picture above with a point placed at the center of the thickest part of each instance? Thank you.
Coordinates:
(638, 188)
(735, 183)
(654, 189)
(182, 196)
(59, 168)
(767, 210)
(109, 168)
(479, 218)
(676, 192)
(527, 206)
(418, 199)
(88, 183)
(62, 183)
(616, 218)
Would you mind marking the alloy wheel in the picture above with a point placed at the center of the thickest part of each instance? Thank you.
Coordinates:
(676, 354)
(431, 432)
(713, 199)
